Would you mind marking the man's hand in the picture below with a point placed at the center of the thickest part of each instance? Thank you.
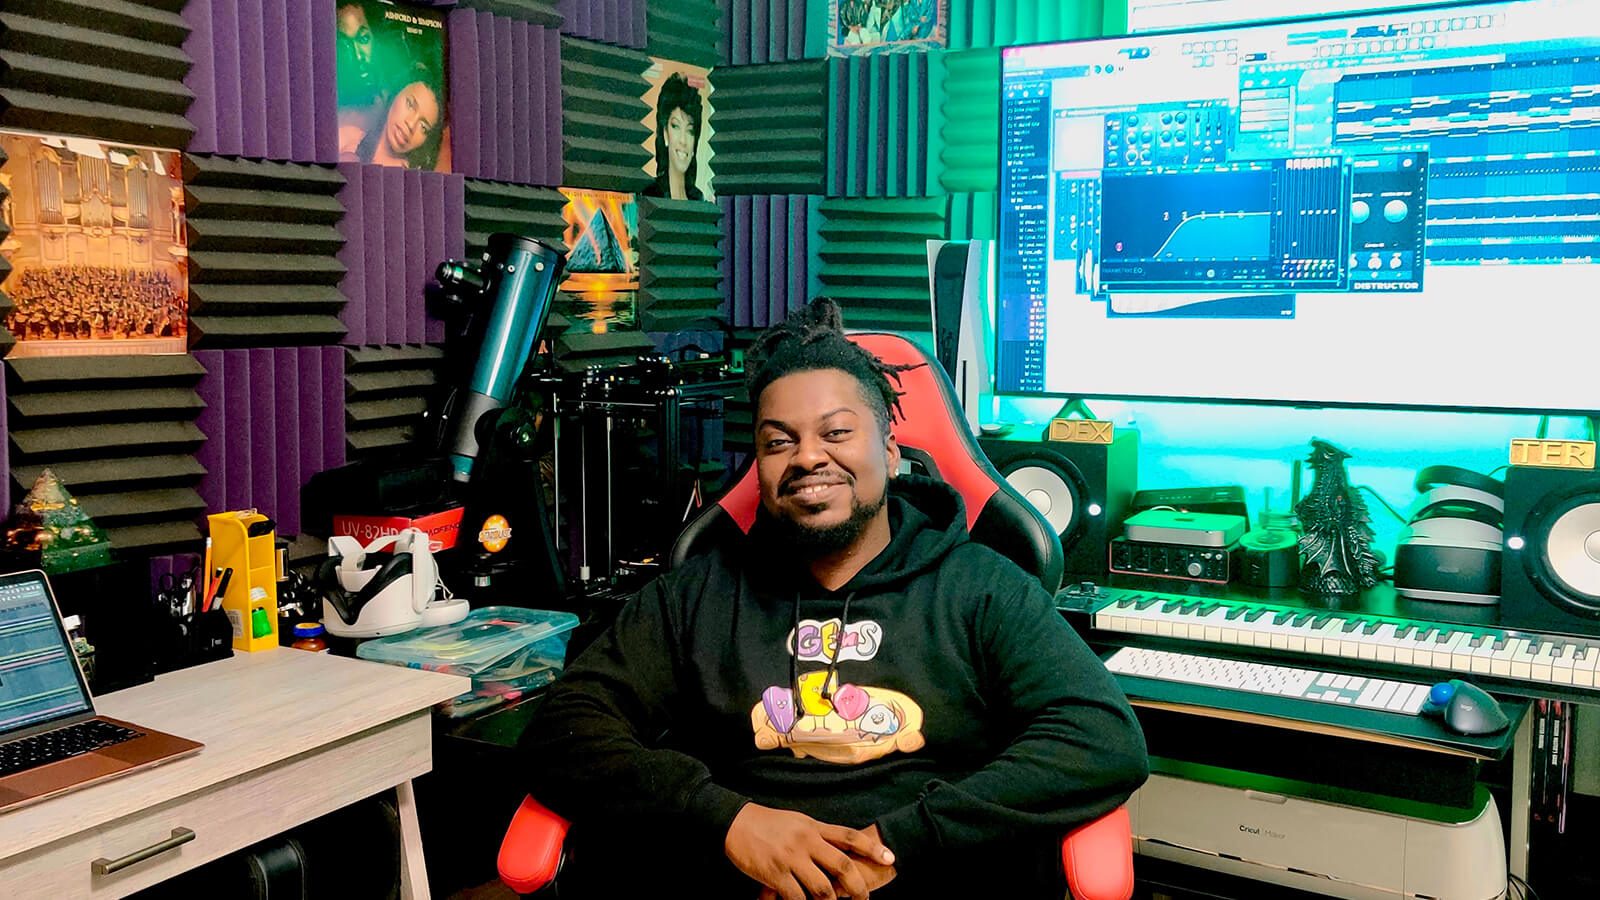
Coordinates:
(877, 872)
(795, 857)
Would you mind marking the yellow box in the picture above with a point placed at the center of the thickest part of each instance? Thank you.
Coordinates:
(254, 583)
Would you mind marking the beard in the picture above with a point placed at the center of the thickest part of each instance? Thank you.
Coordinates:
(811, 542)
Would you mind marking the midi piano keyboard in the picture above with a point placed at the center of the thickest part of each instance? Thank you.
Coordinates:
(1468, 649)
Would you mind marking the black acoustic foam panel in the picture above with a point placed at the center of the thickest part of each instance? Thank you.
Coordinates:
(875, 259)
(602, 110)
(387, 389)
(527, 211)
(263, 244)
(398, 226)
(686, 31)
(119, 430)
(113, 69)
(680, 263)
(771, 129)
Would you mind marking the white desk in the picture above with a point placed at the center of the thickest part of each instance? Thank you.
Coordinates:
(289, 736)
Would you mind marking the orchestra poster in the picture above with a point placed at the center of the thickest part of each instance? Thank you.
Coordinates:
(96, 245)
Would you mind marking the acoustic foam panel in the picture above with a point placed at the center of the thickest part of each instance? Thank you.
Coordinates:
(974, 217)
(386, 391)
(878, 125)
(263, 252)
(874, 259)
(6, 337)
(602, 138)
(527, 211)
(1002, 23)
(772, 129)
(274, 417)
(113, 69)
(686, 31)
(399, 224)
(545, 13)
(579, 350)
(620, 22)
(767, 260)
(769, 31)
(970, 146)
(680, 263)
(120, 432)
(263, 78)
(505, 98)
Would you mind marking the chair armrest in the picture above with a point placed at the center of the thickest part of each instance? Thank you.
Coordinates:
(530, 853)
(1098, 858)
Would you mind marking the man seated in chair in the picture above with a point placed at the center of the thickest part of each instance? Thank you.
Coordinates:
(853, 698)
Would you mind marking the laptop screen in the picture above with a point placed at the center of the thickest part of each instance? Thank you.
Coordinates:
(39, 678)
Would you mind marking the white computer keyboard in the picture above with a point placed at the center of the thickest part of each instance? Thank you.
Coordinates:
(1261, 678)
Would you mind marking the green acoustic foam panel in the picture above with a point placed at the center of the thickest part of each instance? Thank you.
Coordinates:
(527, 211)
(539, 12)
(878, 125)
(263, 243)
(874, 256)
(387, 390)
(970, 116)
(772, 129)
(974, 217)
(1002, 23)
(686, 31)
(602, 113)
(680, 263)
(110, 69)
(120, 431)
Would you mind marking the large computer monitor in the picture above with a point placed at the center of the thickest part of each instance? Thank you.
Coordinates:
(1394, 208)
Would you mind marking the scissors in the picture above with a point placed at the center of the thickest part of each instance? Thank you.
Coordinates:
(177, 591)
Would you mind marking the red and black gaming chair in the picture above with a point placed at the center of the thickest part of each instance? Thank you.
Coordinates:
(933, 436)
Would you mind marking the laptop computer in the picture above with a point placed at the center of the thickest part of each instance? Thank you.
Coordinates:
(51, 740)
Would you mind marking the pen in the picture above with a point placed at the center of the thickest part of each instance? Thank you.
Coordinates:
(205, 571)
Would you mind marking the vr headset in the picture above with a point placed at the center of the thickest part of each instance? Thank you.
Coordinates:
(386, 587)
(1450, 550)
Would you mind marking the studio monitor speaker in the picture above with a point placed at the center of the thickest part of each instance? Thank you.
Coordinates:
(1550, 576)
(1083, 490)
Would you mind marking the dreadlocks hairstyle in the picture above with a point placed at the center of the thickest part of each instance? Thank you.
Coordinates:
(813, 338)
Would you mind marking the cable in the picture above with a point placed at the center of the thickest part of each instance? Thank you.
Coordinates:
(1528, 893)
(1375, 496)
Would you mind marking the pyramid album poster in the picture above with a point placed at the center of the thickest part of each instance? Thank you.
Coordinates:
(602, 237)
(96, 244)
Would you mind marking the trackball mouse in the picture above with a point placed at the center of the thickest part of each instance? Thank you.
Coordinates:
(1465, 708)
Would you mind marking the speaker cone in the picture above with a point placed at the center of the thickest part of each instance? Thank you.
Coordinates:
(1571, 551)
(1050, 491)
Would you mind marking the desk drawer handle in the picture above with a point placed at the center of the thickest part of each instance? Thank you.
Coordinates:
(103, 866)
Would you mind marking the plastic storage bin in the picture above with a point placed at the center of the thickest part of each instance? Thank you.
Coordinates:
(505, 650)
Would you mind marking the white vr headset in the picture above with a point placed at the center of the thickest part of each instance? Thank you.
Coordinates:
(386, 587)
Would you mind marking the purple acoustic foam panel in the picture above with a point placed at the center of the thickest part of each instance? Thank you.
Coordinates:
(521, 120)
(299, 21)
(764, 31)
(620, 22)
(372, 196)
(765, 269)
(212, 454)
(275, 80)
(417, 266)
(252, 79)
(264, 449)
(353, 254)
(466, 116)
(433, 247)
(509, 76)
(225, 41)
(308, 413)
(489, 75)
(333, 417)
(287, 436)
(201, 78)
(551, 175)
(394, 253)
(5, 461)
(324, 81)
(238, 430)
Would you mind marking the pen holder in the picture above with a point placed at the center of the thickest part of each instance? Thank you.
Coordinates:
(195, 639)
(244, 543)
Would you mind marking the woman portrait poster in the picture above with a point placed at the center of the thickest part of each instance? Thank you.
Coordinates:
(391, 85)
(680, 131)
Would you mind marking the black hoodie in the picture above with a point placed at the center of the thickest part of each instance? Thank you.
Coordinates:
(962, 712)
